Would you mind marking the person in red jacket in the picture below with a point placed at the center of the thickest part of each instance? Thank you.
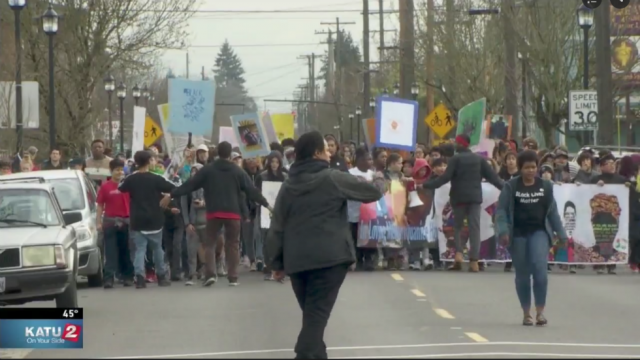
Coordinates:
(112, 218)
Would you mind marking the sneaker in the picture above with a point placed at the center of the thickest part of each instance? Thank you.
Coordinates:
(108, 283)
(141, 282)
(221, 269)
(634, 268)
(259, 265)
(163, 281)
(572, 269)
(253, 267)
(209, 281)
(189, 281)
(176, 278)
(611, 270)
(127, 282)
(268, 277)
(415, 265)
(245, 261)
(151, 277)
(233, 282)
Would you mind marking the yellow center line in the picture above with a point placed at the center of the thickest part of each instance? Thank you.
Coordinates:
(476, 337)
(444, 313)
(397, 277)
(418, 293)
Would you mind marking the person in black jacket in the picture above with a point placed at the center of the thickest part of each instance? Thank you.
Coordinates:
(310, 238)
(336, 161)
(465, 171)
(223, 183)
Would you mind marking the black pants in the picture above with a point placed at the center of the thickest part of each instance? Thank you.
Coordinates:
(116, 252)
(316, 291)
(365, 257)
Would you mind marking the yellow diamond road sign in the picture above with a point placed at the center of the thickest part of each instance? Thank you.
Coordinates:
(438, 142)
(440, 121)
(152, 131)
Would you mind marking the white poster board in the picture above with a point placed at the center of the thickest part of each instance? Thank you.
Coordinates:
(270, 190)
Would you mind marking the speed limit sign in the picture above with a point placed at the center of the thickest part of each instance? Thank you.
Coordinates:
(583, 110)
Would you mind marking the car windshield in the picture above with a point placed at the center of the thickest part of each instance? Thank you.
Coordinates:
(69, 193)
(26, 207)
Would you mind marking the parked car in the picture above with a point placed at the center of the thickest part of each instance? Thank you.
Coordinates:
(39, 248)
(76, 193)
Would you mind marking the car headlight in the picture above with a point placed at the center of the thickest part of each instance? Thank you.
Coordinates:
(84, 236)
(38, 256)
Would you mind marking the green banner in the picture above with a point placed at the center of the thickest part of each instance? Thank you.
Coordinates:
(471, 120)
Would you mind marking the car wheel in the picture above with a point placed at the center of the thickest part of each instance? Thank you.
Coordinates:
(97, 279)
(69, 298)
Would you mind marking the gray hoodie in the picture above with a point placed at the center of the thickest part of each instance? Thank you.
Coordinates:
(196, 216)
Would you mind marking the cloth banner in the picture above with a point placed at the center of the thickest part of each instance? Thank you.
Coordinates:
(192, 103)
(139, 119)
(596, 219)
(391, 222)
(471, 121)
(270, 190)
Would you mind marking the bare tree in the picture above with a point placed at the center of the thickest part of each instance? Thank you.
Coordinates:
(97, 37)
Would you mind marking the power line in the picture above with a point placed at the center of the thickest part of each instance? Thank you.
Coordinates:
(255, 18)
(257, 11)
(276, 77)
(249, 45)
(263, 71)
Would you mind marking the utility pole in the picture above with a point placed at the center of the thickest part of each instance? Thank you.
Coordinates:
(330, 60)
(366, 76)
(407, 49)
(187, 64)
(338, 64)
(430, 63)
(510, 71)
(202, 73)
(311, 83)
(604, 83)
(381, 18)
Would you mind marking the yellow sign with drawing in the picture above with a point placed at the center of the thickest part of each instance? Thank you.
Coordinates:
(152, 131)
(440, 121)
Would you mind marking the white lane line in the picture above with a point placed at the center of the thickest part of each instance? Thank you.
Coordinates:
(418, 293)
(397, 277)
(476, 337)
(493, 354)
(444, 313)
(381, 347)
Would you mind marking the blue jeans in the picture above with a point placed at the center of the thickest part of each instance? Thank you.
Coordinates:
(140, 241)
(530, 257)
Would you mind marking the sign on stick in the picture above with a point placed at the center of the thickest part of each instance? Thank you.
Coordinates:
(583, 110)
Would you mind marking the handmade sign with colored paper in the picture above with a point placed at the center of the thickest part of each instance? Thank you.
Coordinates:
(270, 190)
(498, 127)
(283, 126)
(191, 106)
(396, 123)
(251, 135)
(268, 127)
(471, 121)
(369, 129)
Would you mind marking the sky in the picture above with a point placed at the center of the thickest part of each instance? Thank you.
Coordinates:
(272, 69)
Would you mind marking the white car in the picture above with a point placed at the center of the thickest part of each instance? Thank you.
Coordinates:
(76, 194)
(39, 250)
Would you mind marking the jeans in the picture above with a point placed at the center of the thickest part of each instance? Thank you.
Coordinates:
(470, 212)
(172, 240)
(251, 239)
(316, 292)
(116, 251)
(141, 241)
(213, 246)
(365, 257)
(193, 244)
(529, 255)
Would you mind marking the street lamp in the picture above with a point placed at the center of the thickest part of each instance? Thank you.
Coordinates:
(50, 27)
(585, 21)
(109, 87)
(146, 95)
(351, 126)
(136, 93)
(358, 121)
(17, 6)
(372, 103)
(385, 92)
(415, 90)
(396, 89)
(121, 93)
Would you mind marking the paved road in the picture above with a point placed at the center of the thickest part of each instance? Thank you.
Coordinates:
(381, 314)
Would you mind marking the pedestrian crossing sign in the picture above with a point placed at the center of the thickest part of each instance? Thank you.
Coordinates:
(438, 142)
(152, 132)
(440, 120)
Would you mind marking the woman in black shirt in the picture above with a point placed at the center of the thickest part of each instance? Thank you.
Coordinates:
(526, 219)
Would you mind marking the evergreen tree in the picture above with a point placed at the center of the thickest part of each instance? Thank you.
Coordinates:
(228, 68)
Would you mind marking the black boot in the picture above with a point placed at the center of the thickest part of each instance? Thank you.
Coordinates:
(141, 282)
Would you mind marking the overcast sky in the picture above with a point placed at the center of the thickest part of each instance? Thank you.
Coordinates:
(272, 72)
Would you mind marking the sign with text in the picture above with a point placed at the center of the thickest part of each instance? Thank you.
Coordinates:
(41, 328)
(583, 110)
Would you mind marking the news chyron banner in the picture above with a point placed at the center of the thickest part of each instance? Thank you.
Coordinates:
(41, 328)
